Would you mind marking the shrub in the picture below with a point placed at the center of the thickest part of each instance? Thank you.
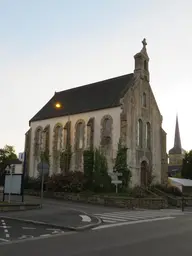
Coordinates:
(68, 182)
(137, 192)
(32, 183)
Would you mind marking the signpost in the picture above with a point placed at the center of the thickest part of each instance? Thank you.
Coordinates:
(43, 169)
(116, 182)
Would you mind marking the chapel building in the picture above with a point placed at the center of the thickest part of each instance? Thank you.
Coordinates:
(98, 115)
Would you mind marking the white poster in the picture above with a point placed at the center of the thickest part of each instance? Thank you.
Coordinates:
(13, 184)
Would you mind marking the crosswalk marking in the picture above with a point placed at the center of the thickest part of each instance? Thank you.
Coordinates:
(124, 216)
(118, 224)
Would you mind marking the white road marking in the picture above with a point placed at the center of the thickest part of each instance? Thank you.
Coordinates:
(53, 229)
(131, 222)
(25, 237)
(85, 218)
(46, 235)
(109, 221)
(4, 240)
(7, 235)
(57, 232)
(124, 216)
(28, 228)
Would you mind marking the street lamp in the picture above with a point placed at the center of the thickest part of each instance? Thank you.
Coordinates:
(58, 105)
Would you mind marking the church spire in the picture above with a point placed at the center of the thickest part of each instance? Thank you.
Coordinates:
(177, 141)
(177, 149)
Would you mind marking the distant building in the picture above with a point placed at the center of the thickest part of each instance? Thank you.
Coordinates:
(176, 154)
(21, 156)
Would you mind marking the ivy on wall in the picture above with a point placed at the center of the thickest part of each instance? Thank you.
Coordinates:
(121, 165)
(65, 159)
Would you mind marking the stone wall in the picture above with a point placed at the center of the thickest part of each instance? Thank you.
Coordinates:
(122, 202)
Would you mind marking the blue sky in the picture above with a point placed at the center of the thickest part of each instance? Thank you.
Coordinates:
(52, 45)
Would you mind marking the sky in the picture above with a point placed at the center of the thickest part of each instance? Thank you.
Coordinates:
(53, 45)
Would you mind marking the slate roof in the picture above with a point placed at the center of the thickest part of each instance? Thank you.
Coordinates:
(91, 97)
(177, 151)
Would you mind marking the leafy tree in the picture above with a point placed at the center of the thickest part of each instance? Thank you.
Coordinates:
(7, 153)
(186, 171)
(101, 178)
(121, 165)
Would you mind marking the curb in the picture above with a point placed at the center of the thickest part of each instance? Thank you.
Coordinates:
(70, 228)
(18, 207)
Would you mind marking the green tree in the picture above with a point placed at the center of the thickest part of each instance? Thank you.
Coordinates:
(7, 153)
(121, 165)
(186, 171)
(101, 178)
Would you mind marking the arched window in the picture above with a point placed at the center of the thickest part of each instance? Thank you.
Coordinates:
(148, 135)
(90, 133)
(46, 134)
(80, 135)
(106, 131)
(58, 134)
(38, 136)
(144, 100)
(67, 135)
(38, 141)
(140, 133)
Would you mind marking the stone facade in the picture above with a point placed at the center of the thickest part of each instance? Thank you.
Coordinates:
(136, 120)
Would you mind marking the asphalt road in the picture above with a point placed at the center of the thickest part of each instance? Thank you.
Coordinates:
(11, 230)
(168, 237)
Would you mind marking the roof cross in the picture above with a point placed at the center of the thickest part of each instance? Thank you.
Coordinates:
(144, 42)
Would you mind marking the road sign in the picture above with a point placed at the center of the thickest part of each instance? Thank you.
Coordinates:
(116, 181)
(119, 174)
(43, 167)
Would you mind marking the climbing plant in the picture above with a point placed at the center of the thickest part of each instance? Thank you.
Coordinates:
(121, 165)
(65, 159)
(88, 157)
(45, 157)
